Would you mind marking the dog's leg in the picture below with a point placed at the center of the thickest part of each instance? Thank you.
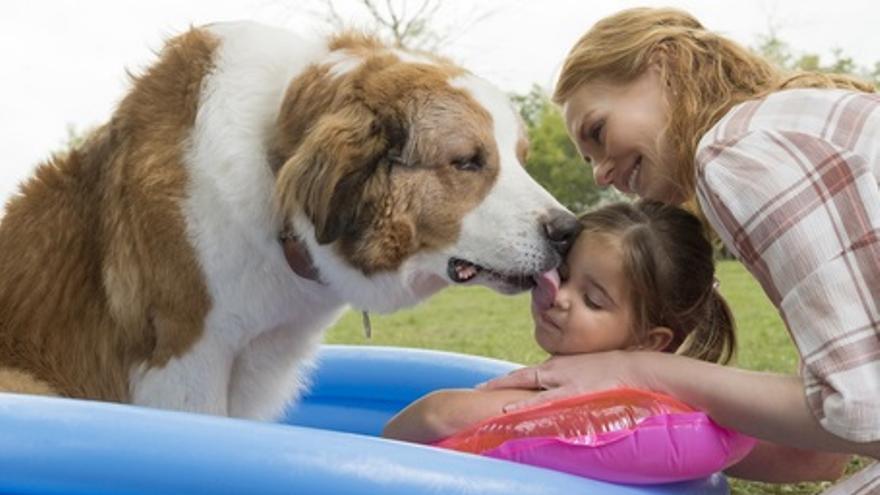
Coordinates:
(270, 372)
(196, 381)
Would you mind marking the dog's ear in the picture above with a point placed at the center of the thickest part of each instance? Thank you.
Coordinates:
(340, 170)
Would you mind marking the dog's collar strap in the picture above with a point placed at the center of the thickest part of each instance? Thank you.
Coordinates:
(298, 257)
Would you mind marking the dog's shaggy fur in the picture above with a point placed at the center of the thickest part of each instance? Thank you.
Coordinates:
(145, 265)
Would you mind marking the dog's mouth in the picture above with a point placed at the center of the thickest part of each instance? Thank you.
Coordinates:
(463, 271)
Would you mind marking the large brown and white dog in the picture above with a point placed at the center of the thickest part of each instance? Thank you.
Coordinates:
(249, 187)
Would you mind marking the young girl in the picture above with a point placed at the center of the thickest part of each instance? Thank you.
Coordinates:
(785, 169)
(639, 276)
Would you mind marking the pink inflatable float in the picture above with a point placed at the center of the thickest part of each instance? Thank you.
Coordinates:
(622, 436)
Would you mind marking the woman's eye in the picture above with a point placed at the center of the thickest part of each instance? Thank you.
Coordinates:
(595, 133)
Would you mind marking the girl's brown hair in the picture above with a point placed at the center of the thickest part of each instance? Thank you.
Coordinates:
(670, 268)
(706, 74)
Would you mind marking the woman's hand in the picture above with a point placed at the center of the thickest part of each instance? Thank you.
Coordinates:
(565, 376)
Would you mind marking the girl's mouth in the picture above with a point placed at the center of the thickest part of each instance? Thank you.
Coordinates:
(549, 322)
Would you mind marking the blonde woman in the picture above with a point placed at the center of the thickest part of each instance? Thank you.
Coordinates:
(785, 168)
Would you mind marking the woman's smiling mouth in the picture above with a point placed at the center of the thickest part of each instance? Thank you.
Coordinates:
(632, 182)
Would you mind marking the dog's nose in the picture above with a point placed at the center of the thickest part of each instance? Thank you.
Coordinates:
(561, 227)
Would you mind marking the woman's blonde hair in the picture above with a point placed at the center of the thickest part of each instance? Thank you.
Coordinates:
(705, 74)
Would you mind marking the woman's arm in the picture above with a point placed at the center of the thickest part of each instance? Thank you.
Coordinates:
(773, 463)
(812, 243)
(445, 412)
(767, 406)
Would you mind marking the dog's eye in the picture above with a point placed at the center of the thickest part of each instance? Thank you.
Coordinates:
(468, 164)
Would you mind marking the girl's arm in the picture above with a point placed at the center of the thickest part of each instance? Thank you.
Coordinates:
(445, 412)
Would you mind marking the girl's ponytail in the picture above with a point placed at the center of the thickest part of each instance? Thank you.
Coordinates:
(714, 339)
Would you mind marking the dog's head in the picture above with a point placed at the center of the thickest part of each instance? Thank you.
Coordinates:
(404, 173)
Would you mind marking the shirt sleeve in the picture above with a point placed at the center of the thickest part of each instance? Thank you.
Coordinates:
(802, 215)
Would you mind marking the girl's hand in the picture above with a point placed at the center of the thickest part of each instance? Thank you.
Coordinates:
(565, 376)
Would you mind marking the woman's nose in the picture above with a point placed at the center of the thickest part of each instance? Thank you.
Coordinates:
(603, 173)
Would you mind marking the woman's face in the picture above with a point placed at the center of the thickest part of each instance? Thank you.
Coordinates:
(619, 129)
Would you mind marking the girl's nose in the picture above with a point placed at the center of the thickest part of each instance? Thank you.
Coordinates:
(562, 299)
(603, 173)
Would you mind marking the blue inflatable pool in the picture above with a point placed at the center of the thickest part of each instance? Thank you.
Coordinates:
(326, 444)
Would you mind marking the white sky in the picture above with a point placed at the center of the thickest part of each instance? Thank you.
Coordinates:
(63, 62)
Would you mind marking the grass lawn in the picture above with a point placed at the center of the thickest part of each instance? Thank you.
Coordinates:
(476, 321)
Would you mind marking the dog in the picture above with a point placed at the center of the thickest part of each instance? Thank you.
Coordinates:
(250, 186)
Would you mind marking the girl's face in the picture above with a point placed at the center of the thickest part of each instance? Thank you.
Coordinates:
(619, 128)
(591, 311)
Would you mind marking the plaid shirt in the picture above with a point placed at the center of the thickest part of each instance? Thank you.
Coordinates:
(790, 184)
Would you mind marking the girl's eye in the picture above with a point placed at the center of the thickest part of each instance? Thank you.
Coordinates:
(596, 131)
(592, 304)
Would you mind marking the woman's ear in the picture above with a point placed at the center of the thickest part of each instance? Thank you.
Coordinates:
(657, 339)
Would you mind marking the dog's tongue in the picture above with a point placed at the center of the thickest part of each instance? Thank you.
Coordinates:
(547, 285)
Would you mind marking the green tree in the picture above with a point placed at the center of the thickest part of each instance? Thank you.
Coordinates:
(780, 53)
(553, 160)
